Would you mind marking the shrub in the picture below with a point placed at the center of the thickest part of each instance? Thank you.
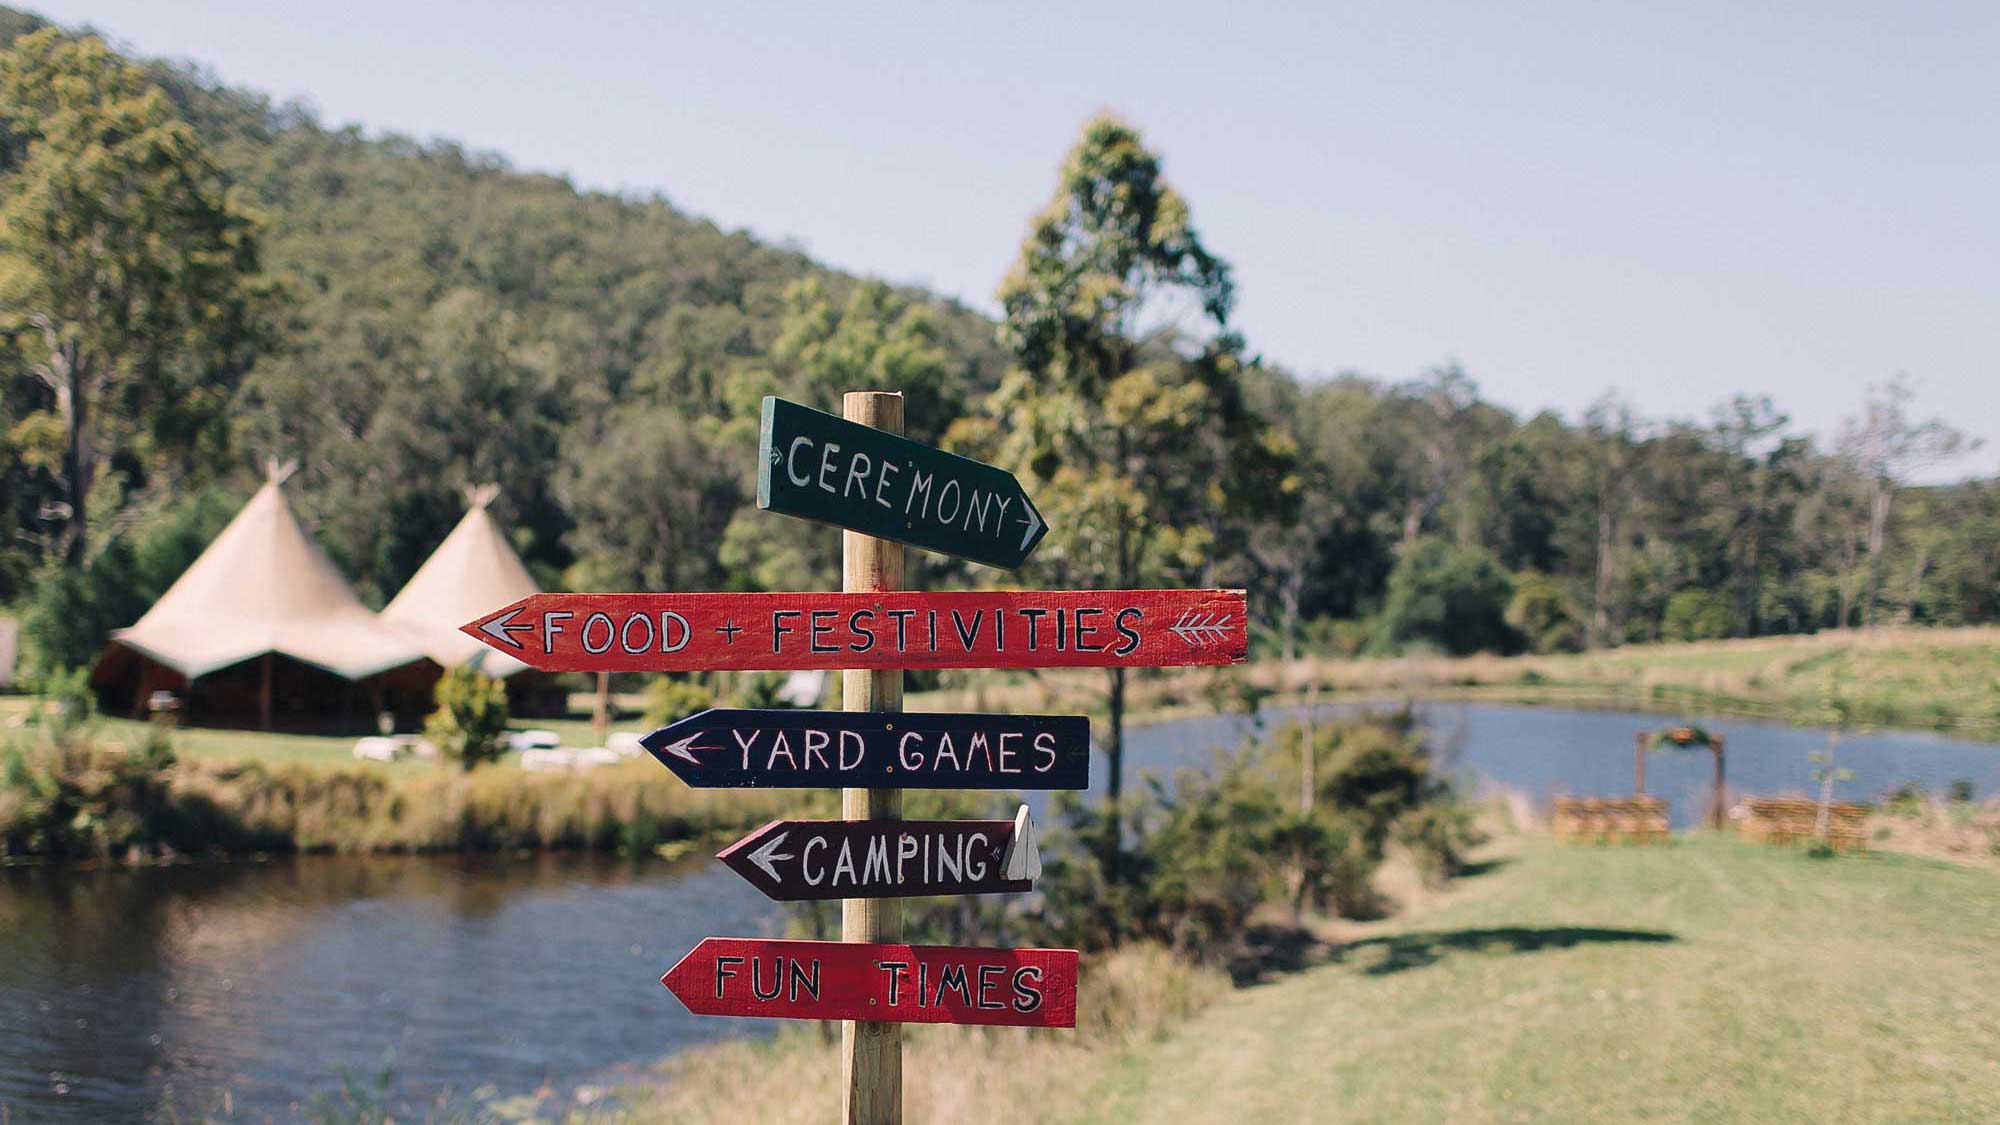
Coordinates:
(1453, 597)
(1201, 856)
(70, 612)
(470, 723)
(1437, 835)
(1330, 866)
(1542, 616)
(759, 690)
(1344, 637)
(70, 798)
(669, 700)
(66, 704)
(1698, 615)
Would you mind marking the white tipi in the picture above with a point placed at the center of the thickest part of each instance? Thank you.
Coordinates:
(472, 573)
(262, 588)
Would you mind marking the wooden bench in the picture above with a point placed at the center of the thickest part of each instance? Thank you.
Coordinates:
(1632, 820)
(1787, 820)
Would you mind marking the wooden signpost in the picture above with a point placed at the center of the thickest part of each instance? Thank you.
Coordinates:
(871, 1047)
(869, 630)
(731, 749)
(866, 479)
(808, 860)
(859, 473)
(877, 982)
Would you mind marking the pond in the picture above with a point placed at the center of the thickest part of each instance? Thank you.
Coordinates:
(126, 991)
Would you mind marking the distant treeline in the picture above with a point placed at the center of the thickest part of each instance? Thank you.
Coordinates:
(407, 318)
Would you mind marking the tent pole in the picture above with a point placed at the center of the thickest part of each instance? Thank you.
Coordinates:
(264, 695)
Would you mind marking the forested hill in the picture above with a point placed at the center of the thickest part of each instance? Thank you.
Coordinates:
(418, 319)
(450, 320)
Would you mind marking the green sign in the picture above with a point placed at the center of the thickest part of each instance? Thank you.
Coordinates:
(819, 467)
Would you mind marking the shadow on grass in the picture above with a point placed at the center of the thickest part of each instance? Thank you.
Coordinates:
(1271, 950)
(1401, 952)
(1481, 867)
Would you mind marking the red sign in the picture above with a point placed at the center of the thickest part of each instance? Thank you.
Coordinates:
(903, 629)
(834, 980)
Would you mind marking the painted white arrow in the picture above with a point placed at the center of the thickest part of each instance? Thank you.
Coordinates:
(1033, 520)
(1023, 859)
(683, 749)
(1198, 629)
(766, 856)
(501, 631)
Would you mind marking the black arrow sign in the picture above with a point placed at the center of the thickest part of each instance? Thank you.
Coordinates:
(795, 860)
(731, 749)
(819, 467)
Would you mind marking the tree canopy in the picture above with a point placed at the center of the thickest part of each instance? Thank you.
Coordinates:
(193, 279)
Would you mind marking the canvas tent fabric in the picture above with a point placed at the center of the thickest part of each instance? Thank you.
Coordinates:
(472, 573)
(263, 587)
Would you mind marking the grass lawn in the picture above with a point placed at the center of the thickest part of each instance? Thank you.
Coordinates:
(1704, 981)
(1929, 679)
(320, 750)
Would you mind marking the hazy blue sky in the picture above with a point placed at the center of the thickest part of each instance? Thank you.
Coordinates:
(1678, 205)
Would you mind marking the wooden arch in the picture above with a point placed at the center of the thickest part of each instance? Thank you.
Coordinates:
(1681, 738)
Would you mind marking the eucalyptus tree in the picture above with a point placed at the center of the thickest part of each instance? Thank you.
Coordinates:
(128, 275)
(1886, 447)
(1125, 414)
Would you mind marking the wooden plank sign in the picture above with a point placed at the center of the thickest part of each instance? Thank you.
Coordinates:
(823, 468)
(832, 980)
(881, 630)
(802, 860)
(728, 749)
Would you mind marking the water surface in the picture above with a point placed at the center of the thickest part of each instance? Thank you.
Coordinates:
(125, 990)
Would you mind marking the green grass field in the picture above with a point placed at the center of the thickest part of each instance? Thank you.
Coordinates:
(1707, 980)
(1927, 679)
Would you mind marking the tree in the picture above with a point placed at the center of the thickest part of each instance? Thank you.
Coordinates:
(470, 723)
(126, 270)
(1132, 433)
(1755, 484)
(651, 499)
(1541, 615)
(1435, 420)
(877, 340)
(1454, 597)
(1610, 427)
(1886, 447)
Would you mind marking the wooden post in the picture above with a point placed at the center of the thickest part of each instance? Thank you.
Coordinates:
(600, 711)
(1639, 742)
(1717, 814)
(871, 1052)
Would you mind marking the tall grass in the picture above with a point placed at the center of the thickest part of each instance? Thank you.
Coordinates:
(959, 1074)
(87, 800)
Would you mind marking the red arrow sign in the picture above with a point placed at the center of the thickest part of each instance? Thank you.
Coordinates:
(833, 980)
(982, 629)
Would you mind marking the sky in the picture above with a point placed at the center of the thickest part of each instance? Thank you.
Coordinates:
(1674, 202)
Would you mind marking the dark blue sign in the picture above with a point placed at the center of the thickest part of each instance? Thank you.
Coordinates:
(730, 749)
